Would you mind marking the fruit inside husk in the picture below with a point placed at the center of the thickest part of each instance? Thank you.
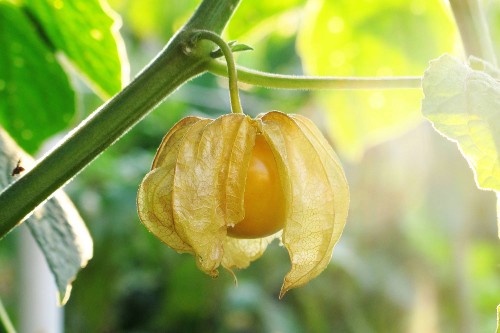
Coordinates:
(264, 199)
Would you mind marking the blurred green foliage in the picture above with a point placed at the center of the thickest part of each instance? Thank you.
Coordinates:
(419, 252)
(363, 38)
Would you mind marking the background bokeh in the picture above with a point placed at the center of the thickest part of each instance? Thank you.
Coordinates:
(420, 249)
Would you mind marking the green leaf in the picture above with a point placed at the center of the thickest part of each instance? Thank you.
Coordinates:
(234, 48)
(464, 105)
(87, 33)
(56, 226)
(64, 240)
(36, 100)
(372, 38)
(241, 48)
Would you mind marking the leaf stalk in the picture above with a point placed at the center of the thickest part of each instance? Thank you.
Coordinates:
(278, 81)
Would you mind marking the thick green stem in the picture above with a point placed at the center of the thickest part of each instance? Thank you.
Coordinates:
(473, 28)
(277, 81)
(231, 67)
(175, 65)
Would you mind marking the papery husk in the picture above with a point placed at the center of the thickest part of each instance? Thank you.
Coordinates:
(239, 253)
(166, 154)
(154, 198)
(196, 187)
(209, 182)
(316, 191)
(154, 202)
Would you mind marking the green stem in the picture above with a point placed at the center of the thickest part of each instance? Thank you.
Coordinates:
(230, 69)
(4, 318)
(175, 65)
(473, 28)
(277, 81)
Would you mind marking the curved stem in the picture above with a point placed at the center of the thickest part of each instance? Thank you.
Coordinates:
(230, 70)
(277, 81)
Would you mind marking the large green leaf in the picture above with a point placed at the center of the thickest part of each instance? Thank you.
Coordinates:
(36, 100)
(463, 104)
(372, 38)
(86, 31)
(56, 226)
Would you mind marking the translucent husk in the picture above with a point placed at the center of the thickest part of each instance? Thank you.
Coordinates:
(196, 188)
(316, 191)
(209, 185)
(154, 198)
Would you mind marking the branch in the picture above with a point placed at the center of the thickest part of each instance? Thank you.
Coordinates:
(277, 81)
(473, 28)
(175, 65)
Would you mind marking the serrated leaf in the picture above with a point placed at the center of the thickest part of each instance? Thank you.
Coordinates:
(359, 38)
(56, 226)
(36, 99)
(87, 33)
(464, 105)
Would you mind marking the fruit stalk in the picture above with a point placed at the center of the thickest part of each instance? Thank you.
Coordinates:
(231, 66)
